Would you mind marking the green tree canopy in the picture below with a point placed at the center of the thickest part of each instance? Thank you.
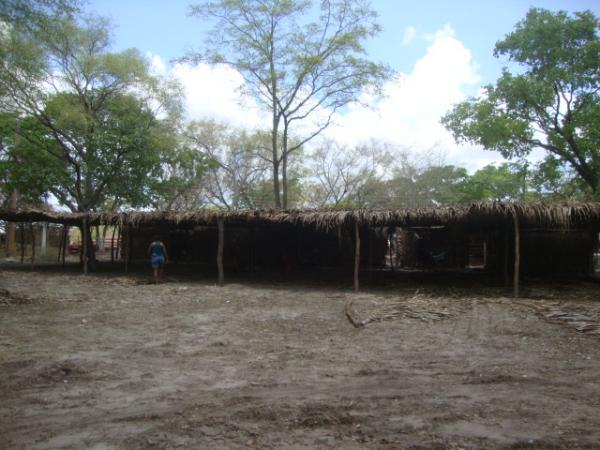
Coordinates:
(28, 12)
(551, 102)
(441, 185)
(103, 119)
(502, 183)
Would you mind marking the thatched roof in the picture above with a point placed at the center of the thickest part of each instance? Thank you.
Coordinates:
(531, 215)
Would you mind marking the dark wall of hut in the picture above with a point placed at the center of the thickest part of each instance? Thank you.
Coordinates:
(289, 248)
(556, 254)
(280, 247)
(544, 254)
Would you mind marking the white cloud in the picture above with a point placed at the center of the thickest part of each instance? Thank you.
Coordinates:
(409, 113)
(157, 65)
(409, 35)
(215, 92)
(445, 32)
(211, 92)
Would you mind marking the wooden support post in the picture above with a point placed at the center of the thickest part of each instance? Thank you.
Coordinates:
(32, 230)
(43, 240)
(221, 228)
(128, 257)
(120, 241)
(370, 267)
(84, 244)
(22, 230)
(99, 241)
(112, 245)
(506, 243)
(65, 243)
(391, 249)
(60, 244)
(356, 255)
(517, 255)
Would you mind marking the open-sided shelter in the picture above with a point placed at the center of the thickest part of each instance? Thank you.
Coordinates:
(507, 239)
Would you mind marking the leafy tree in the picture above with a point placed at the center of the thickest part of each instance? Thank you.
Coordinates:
(23, 167)
(97, 112)
(552, 102)
(7, 142)
(441, 185)
(302, 71)
(28, 12)
(25, 15)
(97, 139)
(501, 183)
(183, 169)
(552, 179)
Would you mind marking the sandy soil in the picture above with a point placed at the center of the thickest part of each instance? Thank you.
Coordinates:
(108, 361)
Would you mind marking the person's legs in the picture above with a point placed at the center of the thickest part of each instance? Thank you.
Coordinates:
(155, 262)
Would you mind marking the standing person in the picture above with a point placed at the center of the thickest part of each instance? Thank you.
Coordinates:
(157, 251)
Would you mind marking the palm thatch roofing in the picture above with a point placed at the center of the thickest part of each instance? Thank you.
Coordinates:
(566, 215)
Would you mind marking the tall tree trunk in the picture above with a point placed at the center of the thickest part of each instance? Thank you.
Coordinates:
(284, 183)
(275, 127)
(276, 187)
(11, 227)
(284, 157)
(275, 157)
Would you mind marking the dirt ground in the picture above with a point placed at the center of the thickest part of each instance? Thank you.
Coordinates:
(112, 362)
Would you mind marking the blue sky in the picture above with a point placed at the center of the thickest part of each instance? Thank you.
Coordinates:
(442, 51)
